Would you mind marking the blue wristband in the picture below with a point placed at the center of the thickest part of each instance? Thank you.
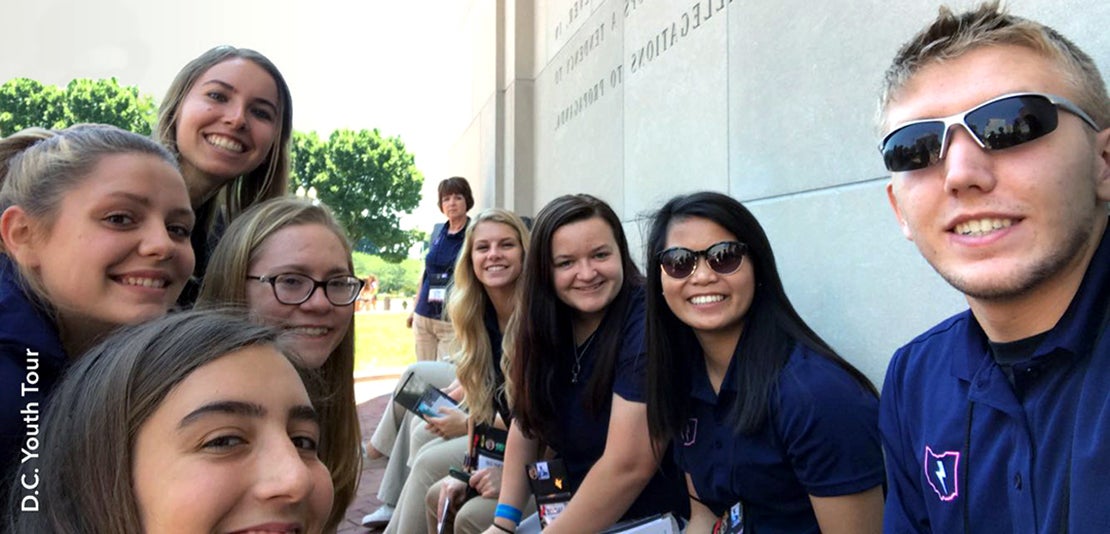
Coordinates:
(507, 511)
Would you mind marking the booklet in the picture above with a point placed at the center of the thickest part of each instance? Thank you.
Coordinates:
(422, 398)
(548, 480)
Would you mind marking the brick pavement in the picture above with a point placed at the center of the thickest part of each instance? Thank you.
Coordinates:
(366, 500)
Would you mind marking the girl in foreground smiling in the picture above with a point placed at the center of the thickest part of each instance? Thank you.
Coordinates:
(195, 422)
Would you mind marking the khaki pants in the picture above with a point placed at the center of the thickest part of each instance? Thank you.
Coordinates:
(475, 516)
(433, 338)
(400, 434)
(431, 465)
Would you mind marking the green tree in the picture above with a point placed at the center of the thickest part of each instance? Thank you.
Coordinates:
(107, 102)
(397, 279)
(368, 180)
(25, 103)
(307, 159)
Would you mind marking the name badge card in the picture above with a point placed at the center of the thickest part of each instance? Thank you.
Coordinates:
(732, 522)
(437, 287)
(549, 483)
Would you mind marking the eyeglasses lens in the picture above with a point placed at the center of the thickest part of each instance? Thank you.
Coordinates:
(678, 262)
(1013, 121)
(914, 147)
(723, 258)
(297, 288)
(1001, 124)
(292, 288)
(343, 290)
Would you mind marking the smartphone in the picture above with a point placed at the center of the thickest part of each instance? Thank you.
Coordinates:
(459, 474)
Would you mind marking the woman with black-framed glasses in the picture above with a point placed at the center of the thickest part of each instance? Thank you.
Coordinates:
(288, 262)
(295, 288)
(776, 433)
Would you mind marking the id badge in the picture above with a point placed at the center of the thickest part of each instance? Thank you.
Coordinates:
(550, 512)
(437, 294)
(437, 287)
(732, 522)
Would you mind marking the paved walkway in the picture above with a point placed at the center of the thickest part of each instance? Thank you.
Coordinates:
(373, 396)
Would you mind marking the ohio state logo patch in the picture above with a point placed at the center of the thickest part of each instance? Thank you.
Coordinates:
(690, 433)
(941, 470)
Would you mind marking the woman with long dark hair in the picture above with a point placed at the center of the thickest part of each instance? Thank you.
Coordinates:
(773, 429)
(577, 374)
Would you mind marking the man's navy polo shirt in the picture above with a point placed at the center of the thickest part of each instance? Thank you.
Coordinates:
(966, 450)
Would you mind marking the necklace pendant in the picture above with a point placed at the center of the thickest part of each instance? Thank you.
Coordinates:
(574, 373)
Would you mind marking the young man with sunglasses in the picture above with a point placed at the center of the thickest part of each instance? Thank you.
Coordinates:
(998, 419)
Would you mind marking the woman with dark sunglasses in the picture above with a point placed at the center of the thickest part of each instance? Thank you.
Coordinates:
(774, 431)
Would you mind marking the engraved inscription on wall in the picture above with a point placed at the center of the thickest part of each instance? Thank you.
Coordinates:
(575, 95)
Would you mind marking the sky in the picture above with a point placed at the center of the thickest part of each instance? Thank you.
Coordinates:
(357, 64)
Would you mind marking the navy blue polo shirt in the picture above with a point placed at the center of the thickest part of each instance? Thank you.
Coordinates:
(582, 435)
(821, 438)
(968, 450)
(439, 264)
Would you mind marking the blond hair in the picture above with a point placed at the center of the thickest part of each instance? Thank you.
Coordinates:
(466, 307)
(951, 35)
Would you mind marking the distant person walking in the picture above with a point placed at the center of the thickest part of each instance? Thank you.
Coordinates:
(433, 334)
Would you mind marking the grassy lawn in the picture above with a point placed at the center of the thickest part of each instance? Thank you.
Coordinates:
(382, 341)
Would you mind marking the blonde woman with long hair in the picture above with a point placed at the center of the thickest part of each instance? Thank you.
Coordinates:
(481, 304)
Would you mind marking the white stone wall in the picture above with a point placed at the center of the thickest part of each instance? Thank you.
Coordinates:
(772, 102)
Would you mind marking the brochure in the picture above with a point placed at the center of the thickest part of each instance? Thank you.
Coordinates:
(422, 398)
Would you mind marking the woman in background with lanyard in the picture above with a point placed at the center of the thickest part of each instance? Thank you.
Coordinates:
(433, 334)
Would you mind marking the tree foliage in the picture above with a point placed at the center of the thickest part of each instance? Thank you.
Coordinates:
(25, 103)
(368, 180)
(106, 102)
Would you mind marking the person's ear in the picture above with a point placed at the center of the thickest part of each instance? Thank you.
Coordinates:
(890, 196)
(1102, 165)
(17, 231)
